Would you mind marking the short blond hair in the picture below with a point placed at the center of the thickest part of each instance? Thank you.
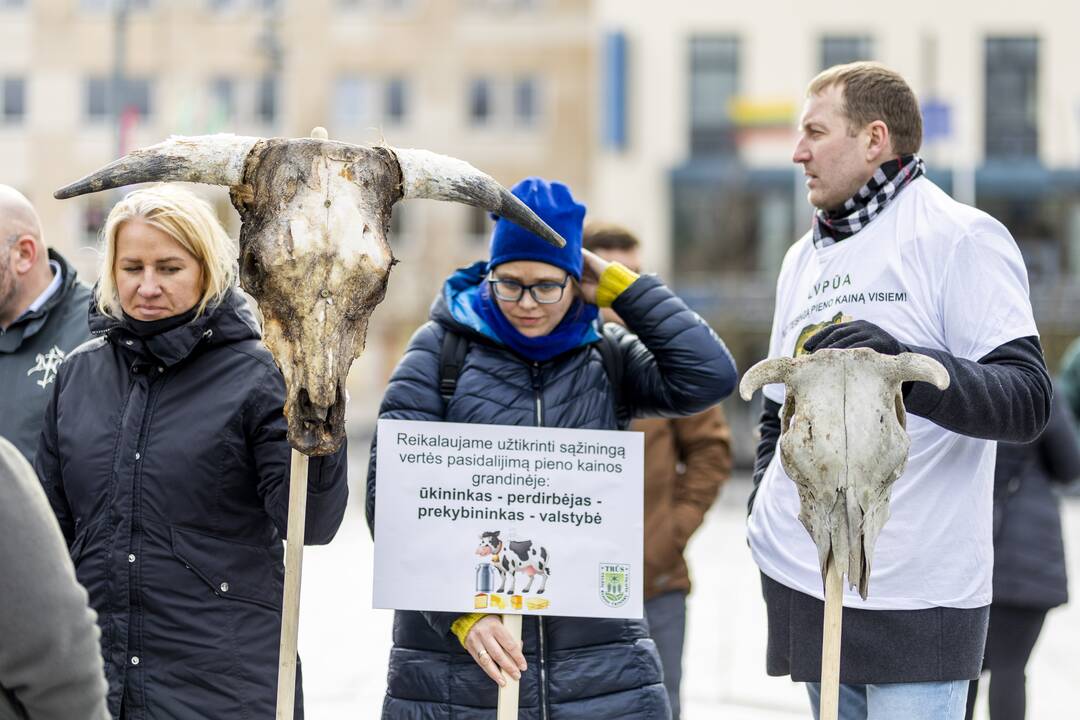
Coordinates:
(872, 92)
(187, 219)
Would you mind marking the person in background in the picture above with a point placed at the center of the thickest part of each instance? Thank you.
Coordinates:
(687, 460)
(1069, 382)
(1029, 557)
(42, 319)
(534, 358)
(165, 459)
(50, 659)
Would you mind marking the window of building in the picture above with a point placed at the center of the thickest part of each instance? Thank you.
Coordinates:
(395, 100)
(841, 49)
(109, 5)
(95, 209)
(222, 101)
(266, 103)
(526, 102)
(12, 100)
(96, 98)
(352, 102)
(501, 5)
(1012, 98)
(383, 5)
(714, 78)
(480, 101)
(137, 97)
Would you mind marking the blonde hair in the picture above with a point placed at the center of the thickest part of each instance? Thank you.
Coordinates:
(872, 92)
(187, 219)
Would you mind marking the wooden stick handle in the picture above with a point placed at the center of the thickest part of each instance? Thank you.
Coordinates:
(830, 643)
(509, 693)
(290, 605)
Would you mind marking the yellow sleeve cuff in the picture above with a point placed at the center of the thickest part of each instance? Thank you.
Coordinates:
(463, 625)
(616, 278)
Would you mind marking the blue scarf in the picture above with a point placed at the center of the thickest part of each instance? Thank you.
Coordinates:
(571, 332)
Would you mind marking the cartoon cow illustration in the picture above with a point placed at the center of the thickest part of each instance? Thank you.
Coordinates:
(522, 556)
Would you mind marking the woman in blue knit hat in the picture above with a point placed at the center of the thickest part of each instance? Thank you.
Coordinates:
(535, 356)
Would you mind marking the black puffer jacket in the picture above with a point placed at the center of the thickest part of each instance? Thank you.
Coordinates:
(600, 669)
(166, 464)
(1029, 553)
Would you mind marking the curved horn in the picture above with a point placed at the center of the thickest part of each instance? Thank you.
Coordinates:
(765, 372)
(914, 366)
(211, 159)
(425, 174)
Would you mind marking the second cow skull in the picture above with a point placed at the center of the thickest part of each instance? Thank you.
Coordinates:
(843, 441)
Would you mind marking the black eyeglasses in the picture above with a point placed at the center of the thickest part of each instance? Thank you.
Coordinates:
(545, 293)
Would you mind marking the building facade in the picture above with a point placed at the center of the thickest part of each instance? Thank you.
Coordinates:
(500, 83)
(709, 96)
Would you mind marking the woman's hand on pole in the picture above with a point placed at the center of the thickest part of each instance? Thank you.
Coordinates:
(493, 649)
(593, 267)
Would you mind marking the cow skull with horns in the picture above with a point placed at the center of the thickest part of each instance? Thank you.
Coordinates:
(843, 442)
(313, 247)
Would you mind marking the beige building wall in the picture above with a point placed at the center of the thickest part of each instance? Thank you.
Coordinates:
(436, 47)
(938, 46)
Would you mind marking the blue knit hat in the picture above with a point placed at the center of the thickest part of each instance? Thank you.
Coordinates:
(555, 206)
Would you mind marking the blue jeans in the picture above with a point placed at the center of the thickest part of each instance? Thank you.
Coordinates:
(898, 701)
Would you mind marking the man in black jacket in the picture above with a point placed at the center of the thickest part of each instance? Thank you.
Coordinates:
(893, 264)
(42, 318)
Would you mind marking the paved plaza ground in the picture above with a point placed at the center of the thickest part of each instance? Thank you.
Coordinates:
(344, 643)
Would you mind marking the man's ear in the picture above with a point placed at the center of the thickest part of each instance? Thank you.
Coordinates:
(25, 251)
(879, 142)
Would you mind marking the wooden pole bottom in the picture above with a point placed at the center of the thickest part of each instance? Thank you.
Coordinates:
(830, 643)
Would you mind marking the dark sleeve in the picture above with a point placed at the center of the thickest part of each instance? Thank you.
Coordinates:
(769, 431)
(1058, 448)
(411, 394)
(674, 364)
(1004, 396)
(328, 488)
(47, 466)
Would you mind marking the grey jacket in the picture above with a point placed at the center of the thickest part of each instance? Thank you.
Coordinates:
(31, 350)
(50, 660)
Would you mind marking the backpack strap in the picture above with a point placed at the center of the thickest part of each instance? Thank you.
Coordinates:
(451, 360)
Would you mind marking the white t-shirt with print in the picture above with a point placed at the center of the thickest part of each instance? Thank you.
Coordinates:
(936, 274)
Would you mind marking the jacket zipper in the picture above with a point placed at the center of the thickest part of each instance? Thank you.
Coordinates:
(538, 388)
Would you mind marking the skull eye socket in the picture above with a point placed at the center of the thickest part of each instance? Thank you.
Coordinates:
(251, 271)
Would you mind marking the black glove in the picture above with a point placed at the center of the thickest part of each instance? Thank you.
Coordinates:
(855, 334)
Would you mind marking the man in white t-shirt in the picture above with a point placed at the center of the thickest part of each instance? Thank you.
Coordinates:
(894, 264)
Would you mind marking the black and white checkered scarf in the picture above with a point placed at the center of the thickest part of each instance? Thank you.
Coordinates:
(833, 226)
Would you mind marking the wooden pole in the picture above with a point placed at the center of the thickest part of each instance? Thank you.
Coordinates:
(509, 693)
(830, 643)
(290, 605)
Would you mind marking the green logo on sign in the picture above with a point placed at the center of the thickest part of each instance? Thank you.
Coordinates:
(614, 584)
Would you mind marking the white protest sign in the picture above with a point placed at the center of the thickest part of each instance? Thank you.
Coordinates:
(508, 519)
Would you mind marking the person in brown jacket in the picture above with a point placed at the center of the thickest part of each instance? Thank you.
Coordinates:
(686, 461)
